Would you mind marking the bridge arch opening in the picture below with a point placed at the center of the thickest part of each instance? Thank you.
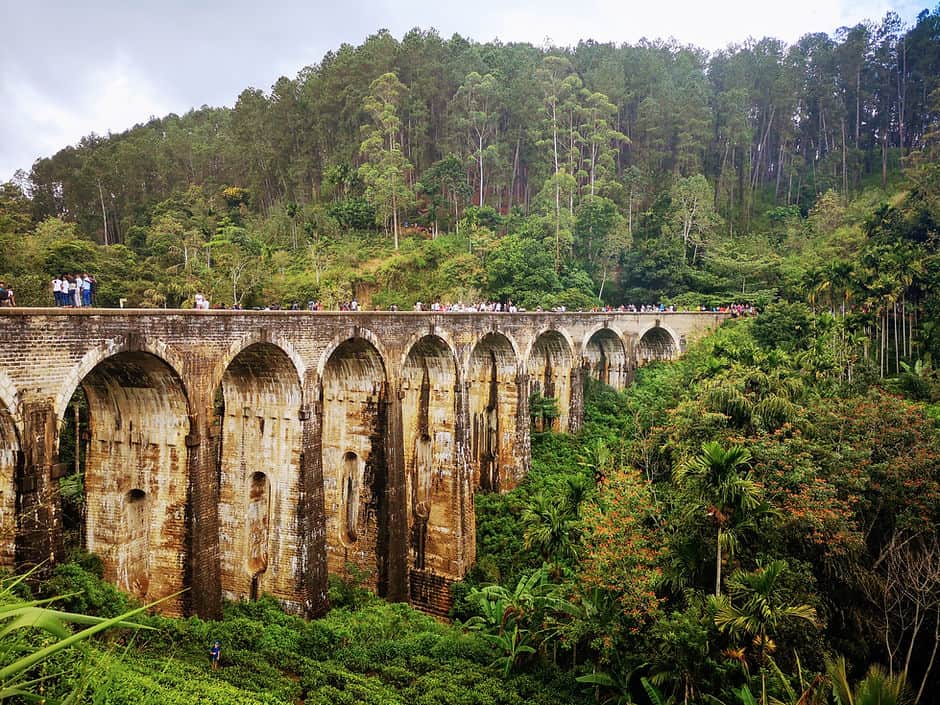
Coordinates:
(127, 424)
(656, 344)
(494, 405)
(259, 440)
(9, 454)
(606, 358)
(549, 367)
(429, 414)
(355, 471)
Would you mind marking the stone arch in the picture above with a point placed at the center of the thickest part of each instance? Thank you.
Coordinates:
(111, 348)
(260, 433)
(514, 346)
(136, 475)
(549, 365)
(353, 333)
(494, 399)
(429, 384)
(435, 332)
(260, 336)
(9, 456)
(355, 468)
(656, 342)
(605, 357)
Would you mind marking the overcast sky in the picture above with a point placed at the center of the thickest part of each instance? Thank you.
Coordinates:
(68, 68)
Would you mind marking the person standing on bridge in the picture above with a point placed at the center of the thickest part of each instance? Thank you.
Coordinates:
(77, 293)
(86, 290)
(69, 290)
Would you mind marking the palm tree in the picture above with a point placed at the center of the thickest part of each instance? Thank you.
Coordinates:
(814, 282)
(550, 527)
(876, 688)
(724, 490)
(755, 608)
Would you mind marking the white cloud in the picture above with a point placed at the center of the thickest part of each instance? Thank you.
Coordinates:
(39, 120)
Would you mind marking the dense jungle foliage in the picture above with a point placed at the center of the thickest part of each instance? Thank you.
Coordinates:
(818, 498)
(756, 522)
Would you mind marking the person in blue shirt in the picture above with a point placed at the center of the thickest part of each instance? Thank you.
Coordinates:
(86, 290)
(215, 653)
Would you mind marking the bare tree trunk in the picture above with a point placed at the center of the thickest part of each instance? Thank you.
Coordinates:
(904, 332)
(884, 161)
(845, 174)
(630, 213)
(515, 168)
(721, 174)
(731, 197)
(480, 153)
(780, 158)
(894, 315)
(718, 565)
(933, 657)
(104, 213)
(395, 218)
(882, 322)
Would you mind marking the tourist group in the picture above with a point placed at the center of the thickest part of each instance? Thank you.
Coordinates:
(74, 290)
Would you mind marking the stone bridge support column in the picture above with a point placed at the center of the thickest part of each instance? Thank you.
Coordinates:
(203, 569)
(38, 509)
(630, 345)
(576, 413)
(463, 478)
(522, 453)
(395, 495)
(313, 572)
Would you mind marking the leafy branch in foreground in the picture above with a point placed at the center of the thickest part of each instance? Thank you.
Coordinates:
(19, 655)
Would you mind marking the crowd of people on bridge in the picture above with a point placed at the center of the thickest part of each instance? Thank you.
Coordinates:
(80, 290)
(736, 309)
(74, 290)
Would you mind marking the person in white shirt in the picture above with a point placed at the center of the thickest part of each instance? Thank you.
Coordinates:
(57, 290)
(78, 289)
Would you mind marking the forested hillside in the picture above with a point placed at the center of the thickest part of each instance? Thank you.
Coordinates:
(445, 169)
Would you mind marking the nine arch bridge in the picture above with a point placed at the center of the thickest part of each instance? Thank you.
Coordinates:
(235, 453)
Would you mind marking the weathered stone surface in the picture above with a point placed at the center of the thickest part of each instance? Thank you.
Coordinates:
(240, 453)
